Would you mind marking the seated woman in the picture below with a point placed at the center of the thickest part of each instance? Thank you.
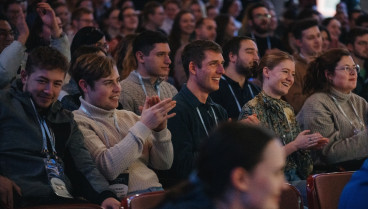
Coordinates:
(250, 159)
(276, 72)
(334, 111)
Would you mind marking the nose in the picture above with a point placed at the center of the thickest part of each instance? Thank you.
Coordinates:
(167, 59)
(117, 87)
(221, 69)
(48, 88)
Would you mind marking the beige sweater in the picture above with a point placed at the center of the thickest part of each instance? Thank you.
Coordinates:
(133, 146)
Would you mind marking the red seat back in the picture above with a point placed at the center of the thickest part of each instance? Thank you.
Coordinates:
(291, 198)
(143, 201)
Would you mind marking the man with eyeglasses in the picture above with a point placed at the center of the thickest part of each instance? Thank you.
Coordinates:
(358, 47)
(259, 19)
(81, 17)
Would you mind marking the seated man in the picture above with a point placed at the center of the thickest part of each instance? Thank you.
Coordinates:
(41, 147)
(122, 144)
(196, 113)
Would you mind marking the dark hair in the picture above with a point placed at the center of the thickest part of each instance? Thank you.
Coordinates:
(34, 39)
(125, 61)
(91, 67)
(307, 13)
(323, 28)
(225, 6)
(85, 49)
(302, 25)
(46, 58)
(231, 145)
(222, 20)
(149, 9)
(146, 41)
(177, 2)
(195, 52)
(233, 46)
(361, 19)
(327, 21)
(253, 6)
(351, 12)
(316, 80)
(175, 34)
(356, 32)
(271, 60)
(121, 13)
(77, 13)
(86, 36)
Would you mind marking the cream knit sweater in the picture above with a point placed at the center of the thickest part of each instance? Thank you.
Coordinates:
(133, 146)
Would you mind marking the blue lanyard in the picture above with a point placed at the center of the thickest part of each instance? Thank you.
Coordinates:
(157, 87)
(45, 130)
(204, 125)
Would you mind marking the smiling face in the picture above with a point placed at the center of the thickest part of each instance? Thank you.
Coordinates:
(157, 62)
(207, 78)
(334, 27)
(311, 41)
(247, 58)
(187, 23)
(105, 93)
(267, 180)
(343, 80)
(277, 81)
(207, 31)
(43, 85)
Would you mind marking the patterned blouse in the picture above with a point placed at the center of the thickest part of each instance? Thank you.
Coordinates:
(278, 115)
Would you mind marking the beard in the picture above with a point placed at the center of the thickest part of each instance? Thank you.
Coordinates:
(260, 29)
(247, 71)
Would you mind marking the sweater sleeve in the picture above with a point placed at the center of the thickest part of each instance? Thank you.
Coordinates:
(10, 60)
(62, 45)
(317, 116)
(112, 161)
(161, 153)
(93, 185)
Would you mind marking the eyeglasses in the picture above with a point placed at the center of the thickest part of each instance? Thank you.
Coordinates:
(262, 16)
(5, 33)
(354, 69)
(362, 43)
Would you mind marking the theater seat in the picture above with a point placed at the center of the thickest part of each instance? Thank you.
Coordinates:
(143, 201)
(291, 198)
(324, 189)
(66, 206)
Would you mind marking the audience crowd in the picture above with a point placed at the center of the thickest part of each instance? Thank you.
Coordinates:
(102, 99)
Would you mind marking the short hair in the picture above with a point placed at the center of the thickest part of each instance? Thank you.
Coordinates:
(77, 13)
(271, 60)
(316, 80)
(86, 36)
(361, 20)
(302, 25)
(46, 58)
(253, 6)
(92, 67)
(356, 32)
(149, 9)
(195, 52)
(231, 145)
(166, 2)
(121, 13)
(146, 41)
(327, 21)
(85, 49)
(233, 46)
(307, 13)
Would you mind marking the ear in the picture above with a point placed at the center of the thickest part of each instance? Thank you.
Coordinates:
(83, 85)
(266, 73)
(298, 42)
(192, 68)
(350, 47)
(233, 57)
(240, 179)
(328, 75)
(23, 76)
(139, 55)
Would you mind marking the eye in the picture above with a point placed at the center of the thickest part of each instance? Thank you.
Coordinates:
(41, 81)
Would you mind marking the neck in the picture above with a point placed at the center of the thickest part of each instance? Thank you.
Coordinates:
(264, 35)
(113, 32)
(150, 26)
(128, 31)
(231, 73)
(230, 201)
(306, 56)
(197, 91)
(269, 92)
(185, 39)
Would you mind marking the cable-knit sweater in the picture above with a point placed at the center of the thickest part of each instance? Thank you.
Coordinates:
(133, 146)
(133, 95)
(321, 114)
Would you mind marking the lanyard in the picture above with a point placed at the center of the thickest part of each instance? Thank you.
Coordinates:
(157, 86)
(45, 131)
(204, 125)
(343, 112)
(232, 92)
(103, 130)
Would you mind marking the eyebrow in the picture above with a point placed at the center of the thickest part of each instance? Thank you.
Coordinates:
(45, 78)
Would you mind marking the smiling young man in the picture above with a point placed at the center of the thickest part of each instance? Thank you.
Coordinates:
(151, 51)
(196, 113)
(42, 153)
(122, 144)
(309, 42)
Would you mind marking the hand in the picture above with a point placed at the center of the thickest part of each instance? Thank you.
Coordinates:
(251, 119)
(154, 113)
(22, 27)
(6, 192)
(110, 203)
(49, 18)
(307, 141)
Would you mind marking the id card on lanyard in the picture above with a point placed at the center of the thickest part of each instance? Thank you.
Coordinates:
(53, 165)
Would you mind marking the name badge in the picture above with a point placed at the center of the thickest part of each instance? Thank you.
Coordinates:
(55, 174)
(120, 185)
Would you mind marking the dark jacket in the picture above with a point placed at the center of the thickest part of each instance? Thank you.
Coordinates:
(21, 159)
